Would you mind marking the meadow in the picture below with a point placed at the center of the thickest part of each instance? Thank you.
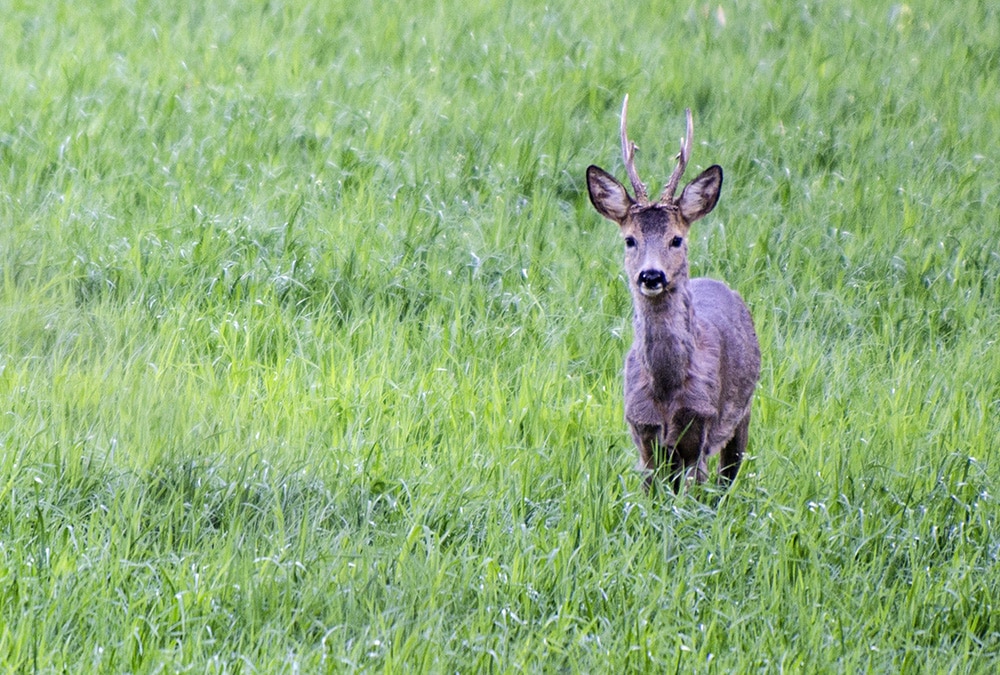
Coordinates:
(311, 341)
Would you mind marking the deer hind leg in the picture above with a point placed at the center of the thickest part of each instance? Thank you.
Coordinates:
(732, 454)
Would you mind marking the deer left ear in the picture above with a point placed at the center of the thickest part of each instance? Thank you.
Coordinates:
(608, 196)
(701, 195)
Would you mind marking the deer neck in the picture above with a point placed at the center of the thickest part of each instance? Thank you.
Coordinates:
(664, 339)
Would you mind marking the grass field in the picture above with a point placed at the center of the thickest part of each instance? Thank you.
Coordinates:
(311, 342)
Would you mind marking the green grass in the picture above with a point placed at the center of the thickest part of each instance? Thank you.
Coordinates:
(311, 343)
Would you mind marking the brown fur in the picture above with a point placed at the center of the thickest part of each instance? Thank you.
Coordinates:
(692, 369)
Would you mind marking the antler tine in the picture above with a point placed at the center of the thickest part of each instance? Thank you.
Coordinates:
(682, 160)
(628, 154)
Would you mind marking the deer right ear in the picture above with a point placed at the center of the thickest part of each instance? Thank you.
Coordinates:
(701, 195)
(608, 196)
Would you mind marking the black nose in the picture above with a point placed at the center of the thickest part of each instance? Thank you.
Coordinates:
(652, 279)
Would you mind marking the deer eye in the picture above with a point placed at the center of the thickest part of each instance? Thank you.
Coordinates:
(676, 242)
(629, 242)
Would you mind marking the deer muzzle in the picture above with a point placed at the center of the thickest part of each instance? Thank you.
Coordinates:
(651, 282)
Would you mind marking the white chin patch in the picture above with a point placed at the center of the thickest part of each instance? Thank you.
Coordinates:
(651, 292)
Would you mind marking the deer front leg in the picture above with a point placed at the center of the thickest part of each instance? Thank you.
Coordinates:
(700, 472)
(691, 449)
(685, 471)
(732, 454)
(646, 439)
(656, 460)
(697, 471)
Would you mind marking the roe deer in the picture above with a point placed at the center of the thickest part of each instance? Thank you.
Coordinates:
(694, 362)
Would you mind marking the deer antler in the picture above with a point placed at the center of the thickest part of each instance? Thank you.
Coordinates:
(628, 154)
(682, 160)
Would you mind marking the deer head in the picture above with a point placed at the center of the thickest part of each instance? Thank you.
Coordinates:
(655, 233)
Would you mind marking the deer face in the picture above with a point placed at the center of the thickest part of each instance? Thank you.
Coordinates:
(655, 250)
(655, 234)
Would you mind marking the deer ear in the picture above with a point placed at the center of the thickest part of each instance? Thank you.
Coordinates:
(608, 196)
(701, 195)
